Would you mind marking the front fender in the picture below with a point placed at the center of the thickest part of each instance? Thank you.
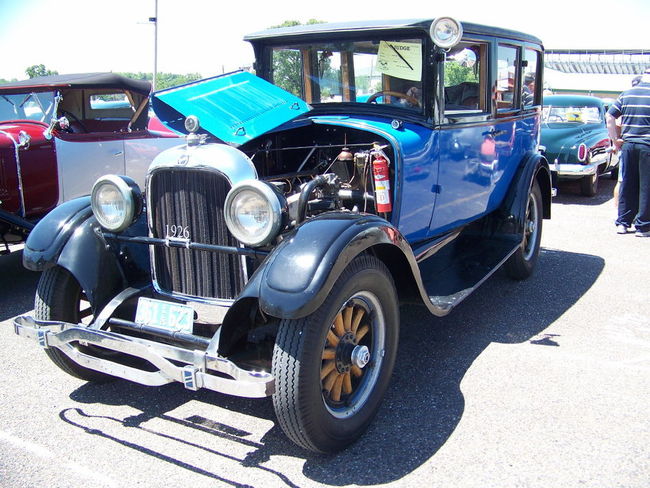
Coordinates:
(297, 277)
(70, 237)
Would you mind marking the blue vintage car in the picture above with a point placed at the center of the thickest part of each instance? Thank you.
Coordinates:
(575, 140)
(367, 164)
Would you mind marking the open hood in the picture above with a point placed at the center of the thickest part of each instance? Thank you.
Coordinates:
(234, 108)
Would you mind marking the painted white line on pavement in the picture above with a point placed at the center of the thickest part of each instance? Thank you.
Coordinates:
(44, 452)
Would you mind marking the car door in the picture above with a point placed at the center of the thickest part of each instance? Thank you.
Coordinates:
(83, 158)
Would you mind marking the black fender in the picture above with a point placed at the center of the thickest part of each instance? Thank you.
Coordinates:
(533, 167)
(294, 280)
(70, 237)
(297, 276)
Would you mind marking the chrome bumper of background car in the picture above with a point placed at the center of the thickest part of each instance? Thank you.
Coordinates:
(572, 169)
(194, 374)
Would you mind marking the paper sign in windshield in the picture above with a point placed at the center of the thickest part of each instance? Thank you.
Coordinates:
(400, 59)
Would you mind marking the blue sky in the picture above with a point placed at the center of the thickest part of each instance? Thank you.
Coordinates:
(204, 36)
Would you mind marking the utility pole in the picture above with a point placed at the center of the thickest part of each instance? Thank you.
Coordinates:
(154, 20)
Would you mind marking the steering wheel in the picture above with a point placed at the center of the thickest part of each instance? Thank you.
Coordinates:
(411, 100)
(72, 116)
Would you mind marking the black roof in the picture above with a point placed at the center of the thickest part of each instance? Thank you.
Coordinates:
(79, 80)
(375, 25)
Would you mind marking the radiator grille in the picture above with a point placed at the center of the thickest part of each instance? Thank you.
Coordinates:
(194, 198)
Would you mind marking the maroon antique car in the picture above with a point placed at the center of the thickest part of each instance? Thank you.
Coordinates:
(58, 134)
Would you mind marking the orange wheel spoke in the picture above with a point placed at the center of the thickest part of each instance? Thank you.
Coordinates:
(357, 319)
(328, 353)
(329, 381)
(347, 384)
(362, 332)
(327, 368)
(347, 318)
(336, 389)
(356, 371)
(332, 339)
(338, 325)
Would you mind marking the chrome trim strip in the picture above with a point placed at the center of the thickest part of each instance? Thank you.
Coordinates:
(243, 383)
(21, 190)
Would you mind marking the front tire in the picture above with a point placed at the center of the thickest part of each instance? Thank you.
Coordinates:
(522, 263)
(333, 366)
(59, 297)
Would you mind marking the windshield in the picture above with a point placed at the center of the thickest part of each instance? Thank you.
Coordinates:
(382, 71)
(576, 114)
(27, 106)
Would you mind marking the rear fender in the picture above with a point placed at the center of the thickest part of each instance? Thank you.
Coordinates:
(513, 212)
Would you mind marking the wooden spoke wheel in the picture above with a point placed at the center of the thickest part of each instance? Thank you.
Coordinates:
(351, 358)
(333, 366)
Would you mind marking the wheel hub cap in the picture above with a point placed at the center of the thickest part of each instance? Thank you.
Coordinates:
(360, 356)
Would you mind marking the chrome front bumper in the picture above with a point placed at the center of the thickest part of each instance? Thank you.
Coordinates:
(194, 374)
(574, 169)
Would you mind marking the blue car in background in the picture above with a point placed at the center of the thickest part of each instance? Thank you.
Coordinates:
(575, 140)
(366, 165)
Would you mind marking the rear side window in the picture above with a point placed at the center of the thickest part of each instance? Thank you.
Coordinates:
(529, 88)
(506, 77)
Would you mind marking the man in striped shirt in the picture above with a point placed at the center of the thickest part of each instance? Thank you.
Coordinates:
(634, 195)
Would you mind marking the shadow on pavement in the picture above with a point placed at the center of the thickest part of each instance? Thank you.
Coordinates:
(424, 403)
(568, 192)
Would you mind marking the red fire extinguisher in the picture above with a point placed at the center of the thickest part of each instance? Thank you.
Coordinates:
(382, 183)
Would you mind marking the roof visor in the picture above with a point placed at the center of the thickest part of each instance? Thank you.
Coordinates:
(235, 107)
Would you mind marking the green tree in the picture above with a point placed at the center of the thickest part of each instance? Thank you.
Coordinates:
(456, 73)
(37, 70)
(165, 80)
(287, 65)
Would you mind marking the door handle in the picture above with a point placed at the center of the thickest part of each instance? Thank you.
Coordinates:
(118, 153)
(495, 133)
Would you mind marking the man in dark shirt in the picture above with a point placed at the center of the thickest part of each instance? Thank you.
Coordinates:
(634, 195)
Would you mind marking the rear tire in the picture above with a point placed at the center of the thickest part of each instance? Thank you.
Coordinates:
(333, 366)
(59, 297)
(522, 263)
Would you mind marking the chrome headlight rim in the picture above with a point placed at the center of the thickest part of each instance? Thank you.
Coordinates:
(453, 40)
(129, 192)
(277, 209)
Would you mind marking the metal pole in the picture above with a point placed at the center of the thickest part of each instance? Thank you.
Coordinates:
(154, 20)
(155, 49)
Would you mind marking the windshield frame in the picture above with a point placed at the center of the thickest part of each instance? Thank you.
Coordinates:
(547, 109)
(264, 68)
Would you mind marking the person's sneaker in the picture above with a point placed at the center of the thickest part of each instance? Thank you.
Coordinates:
(640, 233)
(621, 229)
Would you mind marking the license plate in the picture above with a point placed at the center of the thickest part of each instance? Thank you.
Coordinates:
(165, 315)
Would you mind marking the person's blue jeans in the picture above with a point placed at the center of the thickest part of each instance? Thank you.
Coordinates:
(634, 194)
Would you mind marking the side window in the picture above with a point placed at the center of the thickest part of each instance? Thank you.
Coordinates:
(506, 77)
(466, 78)
(109, 105)
(529, 91)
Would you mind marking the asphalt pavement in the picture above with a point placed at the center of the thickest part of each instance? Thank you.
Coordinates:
(539, 383)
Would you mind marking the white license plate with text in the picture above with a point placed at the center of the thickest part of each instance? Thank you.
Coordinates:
(165, 315)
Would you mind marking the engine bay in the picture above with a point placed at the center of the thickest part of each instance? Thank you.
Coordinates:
(321, 168)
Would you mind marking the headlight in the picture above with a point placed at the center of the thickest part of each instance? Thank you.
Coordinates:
(116, 202)
(446, 32)
(254, 212)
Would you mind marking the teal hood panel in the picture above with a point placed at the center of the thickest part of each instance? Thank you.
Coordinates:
(234, 108)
